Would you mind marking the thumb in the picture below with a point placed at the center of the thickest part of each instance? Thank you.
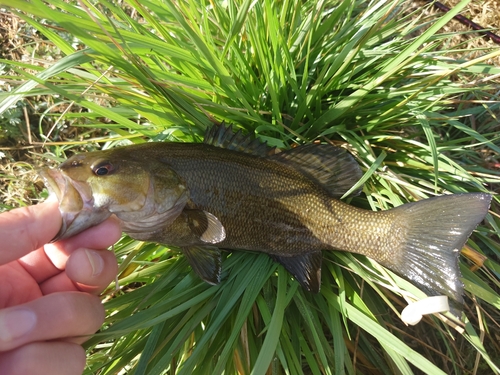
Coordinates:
(25, 229)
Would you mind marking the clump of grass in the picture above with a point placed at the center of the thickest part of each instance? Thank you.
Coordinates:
(350, 72)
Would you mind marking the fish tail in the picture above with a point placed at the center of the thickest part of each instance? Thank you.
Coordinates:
(433, 231)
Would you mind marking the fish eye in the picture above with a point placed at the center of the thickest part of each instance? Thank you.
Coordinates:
(102, 168)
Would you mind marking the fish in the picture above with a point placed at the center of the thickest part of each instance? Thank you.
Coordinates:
(233, 192)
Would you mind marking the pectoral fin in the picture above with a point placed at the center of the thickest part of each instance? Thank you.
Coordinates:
(205, 261)
(305, 268)
(206, 226)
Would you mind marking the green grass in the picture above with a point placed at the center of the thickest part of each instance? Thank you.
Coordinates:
(364, 75)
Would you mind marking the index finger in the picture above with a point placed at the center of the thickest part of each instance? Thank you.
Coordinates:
(25, 229)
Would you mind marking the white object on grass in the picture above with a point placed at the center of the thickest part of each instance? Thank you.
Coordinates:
(412, 314)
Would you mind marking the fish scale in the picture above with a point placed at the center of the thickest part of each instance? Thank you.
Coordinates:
(260, 196)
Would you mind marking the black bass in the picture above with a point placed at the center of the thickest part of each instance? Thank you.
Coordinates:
(232, 192)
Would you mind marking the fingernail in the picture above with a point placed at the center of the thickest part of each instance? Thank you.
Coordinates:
(16, 323)
(96, 262)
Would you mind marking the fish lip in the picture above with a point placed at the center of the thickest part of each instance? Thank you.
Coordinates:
(51, 181)
(76, 203)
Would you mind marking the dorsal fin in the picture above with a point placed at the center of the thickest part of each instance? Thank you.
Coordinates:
(331, 167)
(224, 137)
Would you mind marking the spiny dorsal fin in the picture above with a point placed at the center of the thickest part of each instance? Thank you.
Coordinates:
(306, 269)
(224, 137)
(205, 261)
(331, 167)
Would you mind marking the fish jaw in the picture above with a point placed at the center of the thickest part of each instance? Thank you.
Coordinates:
(76, 203)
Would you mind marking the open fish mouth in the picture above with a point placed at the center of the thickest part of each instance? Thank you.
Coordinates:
(76, 203)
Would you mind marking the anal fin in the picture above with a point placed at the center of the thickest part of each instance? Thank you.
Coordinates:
(205, 261)
(306, 269)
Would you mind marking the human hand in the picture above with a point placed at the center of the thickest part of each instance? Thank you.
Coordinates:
(48, 292)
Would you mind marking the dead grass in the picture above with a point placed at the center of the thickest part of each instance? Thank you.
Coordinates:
(472, 44)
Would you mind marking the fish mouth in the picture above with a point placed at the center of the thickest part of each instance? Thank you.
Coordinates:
(76, 203)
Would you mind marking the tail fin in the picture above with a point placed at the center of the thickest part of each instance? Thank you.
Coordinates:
(436, 230)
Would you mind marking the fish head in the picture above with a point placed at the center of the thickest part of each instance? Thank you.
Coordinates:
(90, 187)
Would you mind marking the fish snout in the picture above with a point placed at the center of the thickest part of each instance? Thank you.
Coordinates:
(76, 203)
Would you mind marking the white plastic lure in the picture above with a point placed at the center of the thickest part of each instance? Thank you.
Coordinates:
(414, 312)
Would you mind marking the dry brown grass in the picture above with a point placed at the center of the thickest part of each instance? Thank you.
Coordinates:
(472, 44)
